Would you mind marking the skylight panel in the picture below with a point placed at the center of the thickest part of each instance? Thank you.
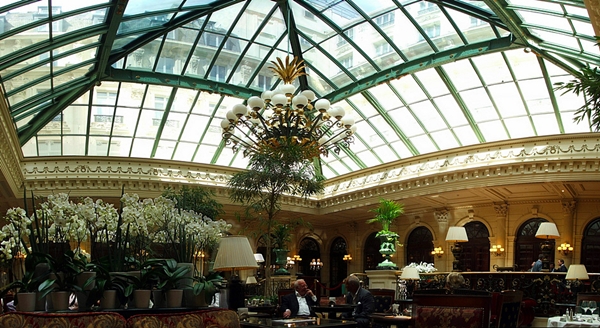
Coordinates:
(493, 131)
(519, 127)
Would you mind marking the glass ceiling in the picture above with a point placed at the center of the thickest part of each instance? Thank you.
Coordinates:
(154, 79)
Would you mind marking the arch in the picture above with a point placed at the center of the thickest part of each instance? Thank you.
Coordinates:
(476, 252)
(527, 246)
(338, 269)
(590, 246)
(308, 249)
(419, 244)
(371, 256)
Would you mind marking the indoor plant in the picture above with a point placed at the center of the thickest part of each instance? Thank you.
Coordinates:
(385, 214)
(169, 275)
(204, 289)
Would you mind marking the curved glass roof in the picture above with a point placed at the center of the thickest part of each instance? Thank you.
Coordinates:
(154, 79)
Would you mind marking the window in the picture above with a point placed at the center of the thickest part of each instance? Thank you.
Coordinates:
(432, 31)
(385, 19)
(419, 246)
(50, 147)
(476, 252)
(346, 62)
(349, 33)
(105, 113)
(165, 65)
(213, 40)
(527, 246)
(264, 82)
(218, 73)
(476, 22)
(371, 251)
(590, 246)
(309, 15)
(426, 7)
(309, 249)
(383, 48)
(338, 267)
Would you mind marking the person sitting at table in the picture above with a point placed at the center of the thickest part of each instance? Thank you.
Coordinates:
(363, 301)
(300, 302)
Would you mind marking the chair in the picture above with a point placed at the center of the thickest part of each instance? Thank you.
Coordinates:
(472, 311)
(383, 299)
(588, 297)
(510, 308)
(280, 294)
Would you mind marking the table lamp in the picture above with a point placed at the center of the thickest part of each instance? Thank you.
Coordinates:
(456, 235)
(575, 273)
(410, 274)
(547, 230)
(235, 254)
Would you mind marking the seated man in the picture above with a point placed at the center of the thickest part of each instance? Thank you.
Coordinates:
(363, 301)
(300, 302)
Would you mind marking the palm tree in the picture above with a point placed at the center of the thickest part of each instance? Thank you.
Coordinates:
(385, 214)
(274, 171)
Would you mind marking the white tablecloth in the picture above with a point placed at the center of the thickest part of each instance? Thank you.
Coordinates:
(556, 322)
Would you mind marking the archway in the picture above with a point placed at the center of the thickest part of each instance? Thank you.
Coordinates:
(338, 269)
(476, 252)
(371, 252)
(419, 246)
(309, 249)
(590, 246)
(527, 246)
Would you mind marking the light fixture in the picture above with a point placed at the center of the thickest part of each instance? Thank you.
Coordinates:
(411, 275)
(437, 251)
(251, 280)
(316, 265)
(547, 230)
(497, 250)
(347, 257)
(456, 235)
(565, 248)
(235, 253)
(279, 119)
(575, 273)
(289, 263)
(259, 258)
(297, 258)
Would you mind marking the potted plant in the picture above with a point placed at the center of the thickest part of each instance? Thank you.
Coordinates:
(169, 276)
(61, 282)
(204, 289)
(385, 214)
(26, 290)
(139, 286)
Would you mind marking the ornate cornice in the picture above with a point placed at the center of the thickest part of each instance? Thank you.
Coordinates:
(10, 166)
(560, 158)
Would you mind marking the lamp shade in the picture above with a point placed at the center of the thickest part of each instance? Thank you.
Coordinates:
(259, 258)
(577, 272)
(250, 280)
(410, 274)
(547, 230)
(234, 253)
(457, 235)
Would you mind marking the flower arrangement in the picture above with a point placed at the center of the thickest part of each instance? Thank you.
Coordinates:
(422, 267)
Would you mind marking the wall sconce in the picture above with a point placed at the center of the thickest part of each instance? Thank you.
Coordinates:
(316, 265)
(497, 250)
(565, 248)
(437, 251)
(347, 257)
(297, 258)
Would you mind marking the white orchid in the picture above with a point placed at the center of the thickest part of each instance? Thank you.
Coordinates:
(422, 267)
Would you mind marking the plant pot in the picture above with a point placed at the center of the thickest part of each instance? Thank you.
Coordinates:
(108, 299)
(141, 297)
(60, 300)
(174, 298)
(192, 300)
(281, 260)
(26, 302)
(41, 269)
(188, 281)
(158, 299)
(83, 277)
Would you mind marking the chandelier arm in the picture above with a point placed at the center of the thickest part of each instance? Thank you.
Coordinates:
(315, 125)
(250, 128)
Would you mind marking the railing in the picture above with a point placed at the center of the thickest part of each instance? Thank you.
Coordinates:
(545, 288)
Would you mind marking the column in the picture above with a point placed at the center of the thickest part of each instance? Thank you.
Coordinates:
(566, 231)
(500, 224)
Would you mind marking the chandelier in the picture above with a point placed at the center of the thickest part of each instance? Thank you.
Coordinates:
(280, 119)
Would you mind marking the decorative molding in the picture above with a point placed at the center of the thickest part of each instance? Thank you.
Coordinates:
(10, 150)
(501, 210)
(441, 215)
(569, 207)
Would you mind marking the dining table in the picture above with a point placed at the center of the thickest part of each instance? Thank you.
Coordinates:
(562, 321)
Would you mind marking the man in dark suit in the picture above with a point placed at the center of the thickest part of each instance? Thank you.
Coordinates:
(300, 302)
(561, 266)
(363, 301)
